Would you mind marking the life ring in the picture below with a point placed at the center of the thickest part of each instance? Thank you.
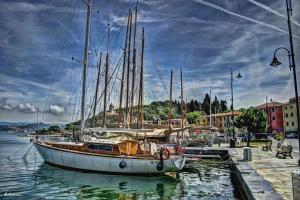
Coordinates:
(166, 154)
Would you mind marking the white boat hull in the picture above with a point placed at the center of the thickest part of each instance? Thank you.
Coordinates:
(107, 164)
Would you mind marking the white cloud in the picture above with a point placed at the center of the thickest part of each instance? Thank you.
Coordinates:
(55, 109)
(4, 105)
(271, 10)
(242, 16)
(26, 107)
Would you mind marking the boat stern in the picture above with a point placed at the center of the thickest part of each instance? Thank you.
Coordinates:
(175, 163)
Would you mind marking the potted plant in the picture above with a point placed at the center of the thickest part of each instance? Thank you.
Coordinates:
(279, 138)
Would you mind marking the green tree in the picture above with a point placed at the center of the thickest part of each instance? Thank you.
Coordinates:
(253, 119)
(215, 106)
(54, 128)
(223, 105)
(205, 104)
(192, 116)
(196, 106)
(71, 126)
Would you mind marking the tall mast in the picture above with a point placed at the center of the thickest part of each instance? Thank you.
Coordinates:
(170, 100)
(210, 108)
(85, 62)
(128, 66)
(135, 21)
(182, 112)
(96, 90)
(133, 66)
(106, 80)
(123, 71)
(141, 94)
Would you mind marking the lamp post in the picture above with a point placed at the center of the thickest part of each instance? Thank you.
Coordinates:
(291, 56)
(239, 76)
(269, 129)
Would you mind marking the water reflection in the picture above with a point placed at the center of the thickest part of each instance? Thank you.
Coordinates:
(107, 186)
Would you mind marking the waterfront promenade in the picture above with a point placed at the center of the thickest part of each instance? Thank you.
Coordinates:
(276, 171)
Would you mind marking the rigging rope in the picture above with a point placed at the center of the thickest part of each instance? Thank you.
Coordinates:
(116, 67)
(58, 63)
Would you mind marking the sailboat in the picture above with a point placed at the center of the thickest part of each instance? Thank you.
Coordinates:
(107, 155)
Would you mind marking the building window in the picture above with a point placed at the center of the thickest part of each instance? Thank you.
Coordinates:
(292, 114)
(286, 115)
(291, 107)
(273, 118)
(292, 123)
(273, 109)
(286, 107)
(287, 123)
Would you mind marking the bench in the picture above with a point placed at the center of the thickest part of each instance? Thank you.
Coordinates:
(285, 150)
(267, 146)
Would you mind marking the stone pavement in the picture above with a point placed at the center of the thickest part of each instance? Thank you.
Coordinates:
(277, 171)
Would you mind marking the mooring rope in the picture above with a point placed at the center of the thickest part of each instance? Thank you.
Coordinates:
(24, 156)
(8, 157)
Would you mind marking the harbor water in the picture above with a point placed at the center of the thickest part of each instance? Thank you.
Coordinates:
(31, 178)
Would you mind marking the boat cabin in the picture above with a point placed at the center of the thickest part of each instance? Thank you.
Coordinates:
(128, 147)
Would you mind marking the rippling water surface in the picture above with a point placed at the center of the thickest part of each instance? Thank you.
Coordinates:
(33, 179)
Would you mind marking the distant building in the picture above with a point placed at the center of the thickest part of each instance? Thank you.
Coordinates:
(290, 116)
(275, 115)
(202, 121)
(222, 121)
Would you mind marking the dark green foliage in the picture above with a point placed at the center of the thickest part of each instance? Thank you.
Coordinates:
(205, 104)
(71, 126)
(253, 119)
(54, 128)
(160, 109)
(223, 106)
(42, 132)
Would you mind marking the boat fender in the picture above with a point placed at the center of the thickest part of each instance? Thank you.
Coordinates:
(166, 154)
(160, 166)
(122, 164)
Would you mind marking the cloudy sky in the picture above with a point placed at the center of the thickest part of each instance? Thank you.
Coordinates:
(205, 37)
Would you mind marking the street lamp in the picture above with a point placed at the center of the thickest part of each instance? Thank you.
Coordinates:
(239, 76)
(269, 124)
(291, 55)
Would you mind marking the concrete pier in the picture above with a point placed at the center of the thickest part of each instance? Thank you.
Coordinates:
(264, 177)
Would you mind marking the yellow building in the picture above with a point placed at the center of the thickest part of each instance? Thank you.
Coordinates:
(290, 116)
(222, 121)
(202, 121)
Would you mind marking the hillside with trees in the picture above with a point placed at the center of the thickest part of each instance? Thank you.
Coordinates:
(160, 109)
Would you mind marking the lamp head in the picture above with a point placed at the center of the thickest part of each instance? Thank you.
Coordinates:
(239, 76)
(275, 62)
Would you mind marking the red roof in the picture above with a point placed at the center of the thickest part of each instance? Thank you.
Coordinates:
(270, 104)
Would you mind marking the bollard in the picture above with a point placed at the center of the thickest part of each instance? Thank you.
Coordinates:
(210, 141)
(247, 154)
(296, 184)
